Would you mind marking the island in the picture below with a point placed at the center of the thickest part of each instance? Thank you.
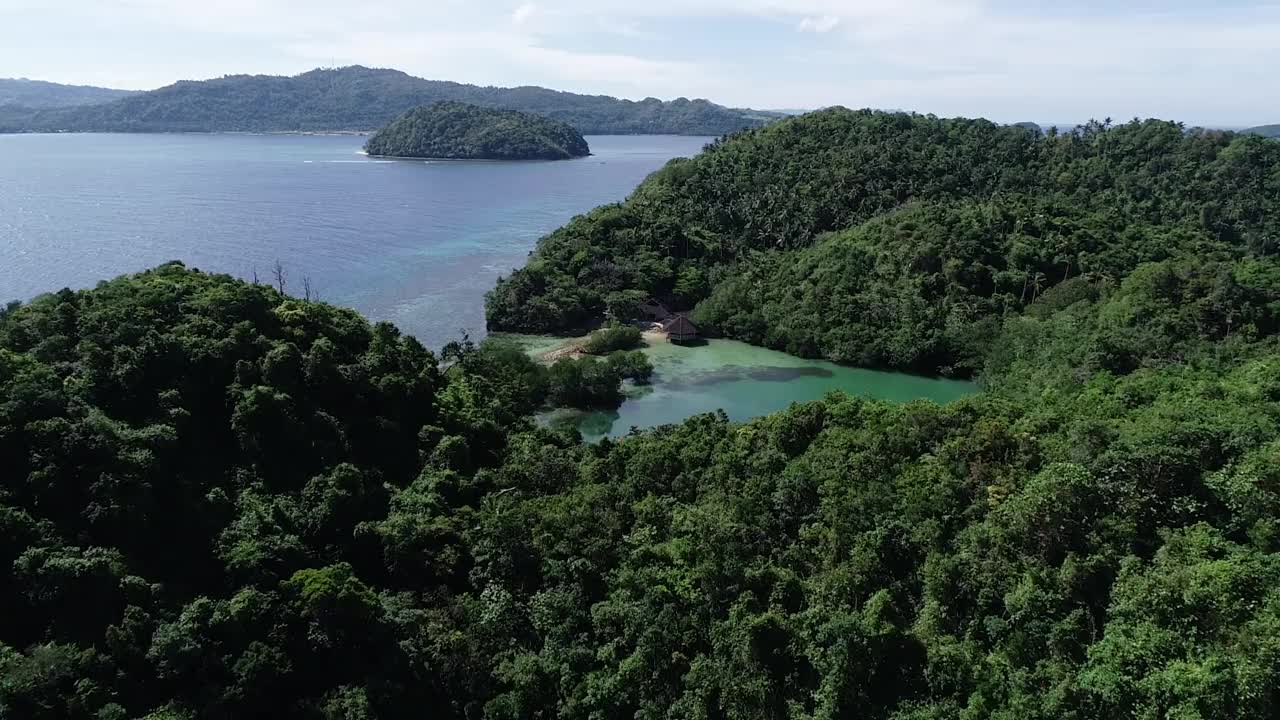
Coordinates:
(347, 99)
(458, 131)
(816, 235)
(221, 501)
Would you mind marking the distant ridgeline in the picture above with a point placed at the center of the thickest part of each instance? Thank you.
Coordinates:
(40, 94)
(900, 240)
(359, 98)
(1268, 131)
(467, 132)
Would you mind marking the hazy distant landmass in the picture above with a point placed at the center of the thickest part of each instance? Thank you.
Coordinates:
(460, 131)
(363, 99)
(1271, 131)
(39, 94)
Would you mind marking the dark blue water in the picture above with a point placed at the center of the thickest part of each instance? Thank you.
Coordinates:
(416, 243)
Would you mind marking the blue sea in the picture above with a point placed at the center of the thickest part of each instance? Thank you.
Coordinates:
(417, 243)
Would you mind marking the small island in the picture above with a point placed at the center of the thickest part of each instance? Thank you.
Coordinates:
(458, 131)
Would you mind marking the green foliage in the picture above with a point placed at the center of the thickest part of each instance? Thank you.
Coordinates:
(468, 132)
(1269, 131)
(359, 98)
(611, 338)
(1196, 632)
(624, 305)
(176, 445)
(590, 383)
(584, 383)
(633, 365)
(222, 502)
(517, 385)
(899, 240)
(333, 595)
(41, 94)
(53, 681)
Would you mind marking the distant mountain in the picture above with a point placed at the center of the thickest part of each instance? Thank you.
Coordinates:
(360, 98)
(1271, 131)
(40, 94)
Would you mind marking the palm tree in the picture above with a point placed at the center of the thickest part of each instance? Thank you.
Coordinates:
(1037, 284)
(1083, 261)
(1232, 314)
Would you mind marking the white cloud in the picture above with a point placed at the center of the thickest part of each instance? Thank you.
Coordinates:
(1013, 61)
(523, 13)
(636, 76)
(516, 57)
(823, 24)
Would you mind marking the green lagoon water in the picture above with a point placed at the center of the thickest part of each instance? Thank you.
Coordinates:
(743, 380)
(415, 243)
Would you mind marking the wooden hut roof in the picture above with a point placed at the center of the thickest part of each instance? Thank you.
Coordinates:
(655, 309)
(681, 325)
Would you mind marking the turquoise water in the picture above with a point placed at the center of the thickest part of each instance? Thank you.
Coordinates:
(414, 242)
(746, 382)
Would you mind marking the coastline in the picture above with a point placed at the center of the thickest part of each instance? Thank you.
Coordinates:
(743, 380)
(302, 133)
(472, 160)
(357, 133)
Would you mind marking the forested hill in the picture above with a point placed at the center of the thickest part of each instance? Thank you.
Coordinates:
(40, 94)
(359, 98)
(469, 132)
(222, 502)
(899, 240)
(1270, 131)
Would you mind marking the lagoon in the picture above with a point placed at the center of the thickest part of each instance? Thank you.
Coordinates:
(417, 243)
(743, 380)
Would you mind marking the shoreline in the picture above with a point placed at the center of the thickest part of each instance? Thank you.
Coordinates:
(565, 345)
(325, 133)
(237, 133)
(573, 347)
(745, 381)
(460, 160)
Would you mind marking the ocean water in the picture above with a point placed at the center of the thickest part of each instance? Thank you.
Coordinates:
(417, 243)
(413, 242)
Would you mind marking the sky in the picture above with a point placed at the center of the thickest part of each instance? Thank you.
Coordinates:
(1212, 62)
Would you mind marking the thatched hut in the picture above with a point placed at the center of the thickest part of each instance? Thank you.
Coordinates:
(681, 330)
(653, 310)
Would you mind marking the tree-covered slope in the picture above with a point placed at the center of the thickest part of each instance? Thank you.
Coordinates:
(40, 94)
(1270, 131)
(895, 239)
(359, 98)
(469, 132)
(219, 501)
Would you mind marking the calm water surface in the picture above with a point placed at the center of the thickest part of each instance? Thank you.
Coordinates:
(417, 243)
(746, 382)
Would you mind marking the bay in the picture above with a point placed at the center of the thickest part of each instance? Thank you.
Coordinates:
(744, 381)
(414, 242)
